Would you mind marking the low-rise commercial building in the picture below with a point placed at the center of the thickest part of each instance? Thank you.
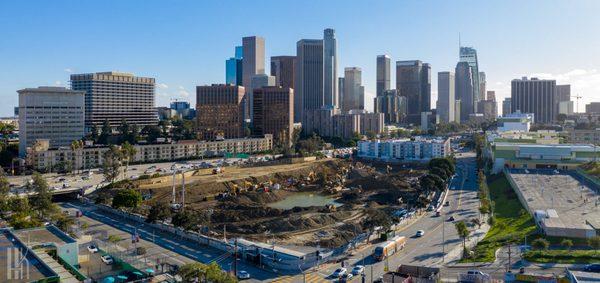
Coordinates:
(517, 121)
(420, 149)
(45, 158)
(583, 136)
(541, 156)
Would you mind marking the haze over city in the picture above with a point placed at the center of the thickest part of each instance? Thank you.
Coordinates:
(185, 43)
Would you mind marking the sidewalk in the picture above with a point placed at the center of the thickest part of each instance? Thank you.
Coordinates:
(455, 255)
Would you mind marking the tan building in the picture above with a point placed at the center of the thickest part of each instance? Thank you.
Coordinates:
(283, 68)
(488, 108)
(43, 158)
(220, 111)
(320, 121)
(114, 97)
(274, 113)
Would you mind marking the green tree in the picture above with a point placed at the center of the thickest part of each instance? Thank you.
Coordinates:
(94, 133)
(463, 232)
(476, 221)
(128, 152)
(41, 201)
(151, 132)
(371, 135)
(594, 243)
(64, 223)
(187, 220)
(4, 192)
(540, 244)
(567, 244)
(112, 162)
(105, 133)
(127, 198)
(198, 272)
(159, 211)
(75, 149)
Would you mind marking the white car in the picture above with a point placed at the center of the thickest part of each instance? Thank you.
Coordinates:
(92, 249)
(420, 233)
(359, 269)
(347, 277)
(242, 274)
(339, 272)
(107, 259)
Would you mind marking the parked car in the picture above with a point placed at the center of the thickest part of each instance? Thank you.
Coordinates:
(359, 269)
(420, 233)
(347, 277)
(107, 259)
(339, 272)
(242, 274)
(92, 249)
(451, 218)
(594, 267)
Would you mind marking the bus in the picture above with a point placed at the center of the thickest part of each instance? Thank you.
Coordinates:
(388, 248)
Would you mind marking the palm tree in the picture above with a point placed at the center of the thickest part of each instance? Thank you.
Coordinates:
(75, 147)
(128, 152)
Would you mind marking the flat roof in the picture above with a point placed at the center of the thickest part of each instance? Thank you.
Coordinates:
(278, 249)
(36, 270)
(47, 234)
(569, 201)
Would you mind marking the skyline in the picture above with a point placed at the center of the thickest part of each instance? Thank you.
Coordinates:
(43, 49)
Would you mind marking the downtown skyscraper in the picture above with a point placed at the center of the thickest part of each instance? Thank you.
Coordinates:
(535, 96)
(233, 67)
(469, 55)
(413, 81)
(330, 86)
(354, 91)
(309, 92)
(253, 61)
(446, 97)
(464, 89)
(383, 74)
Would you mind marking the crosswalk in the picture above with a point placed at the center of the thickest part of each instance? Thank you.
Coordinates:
(310, 277)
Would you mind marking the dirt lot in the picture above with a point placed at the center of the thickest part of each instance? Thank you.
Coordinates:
(352, 197)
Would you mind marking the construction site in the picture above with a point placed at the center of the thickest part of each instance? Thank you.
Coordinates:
(321, 203)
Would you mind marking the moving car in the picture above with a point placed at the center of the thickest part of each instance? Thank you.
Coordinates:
(107, 259)
(92, 249)
(451, 218)
(420, 233)
(242, 274)
(359, 269)
(594, 267)
(339, 272)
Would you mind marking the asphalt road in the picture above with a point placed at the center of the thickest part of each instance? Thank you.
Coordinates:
(161, 246)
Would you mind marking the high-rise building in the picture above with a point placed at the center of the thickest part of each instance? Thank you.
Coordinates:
(469, 55)
(354, 92)
(308, 94)
(341, 82)
(464, 90)
(283, 68)
(491, 95)
(482, 86)
(392, 105)
(565, 107)
(383, 74)
(55, 114)
(446, 97)
(593, 107)
(116, 97)
(457, 109)
(320, 121)
(233, 67)
(253, 61)
(535, 96)
(257, 81)
(330, 68)
(506, 107)
(413, 81)
(563, 92)
(488, 108)
(182, 110)
(274, 113)
(220, 111)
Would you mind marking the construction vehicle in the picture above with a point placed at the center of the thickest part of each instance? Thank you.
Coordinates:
(218, 170)
(175, 206)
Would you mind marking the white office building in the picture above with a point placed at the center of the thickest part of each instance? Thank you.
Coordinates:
(55, 114)
(515, 122)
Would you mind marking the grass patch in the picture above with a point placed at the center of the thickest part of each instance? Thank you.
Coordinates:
(563, 256)
(512, 222)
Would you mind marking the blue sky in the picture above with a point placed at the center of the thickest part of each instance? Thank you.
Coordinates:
(185, 43)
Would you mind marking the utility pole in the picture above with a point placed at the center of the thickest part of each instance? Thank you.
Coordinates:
(509, 253)
(235, 257)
